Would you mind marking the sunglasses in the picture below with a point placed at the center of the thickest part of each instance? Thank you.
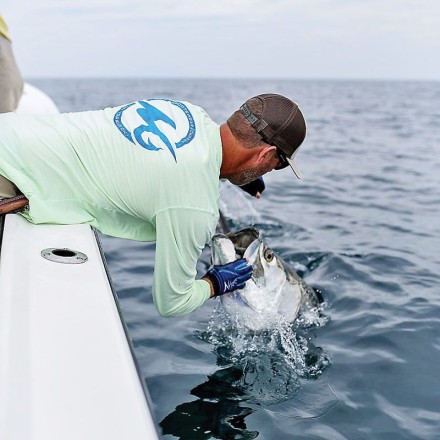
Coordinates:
(282, 158)
(281, 155)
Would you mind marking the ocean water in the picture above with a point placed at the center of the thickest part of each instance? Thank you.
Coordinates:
(362, 227)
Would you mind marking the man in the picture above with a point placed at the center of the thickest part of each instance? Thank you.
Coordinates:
(11, 82)
(149, 171)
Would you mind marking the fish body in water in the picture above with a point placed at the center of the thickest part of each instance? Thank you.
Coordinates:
(275, 293)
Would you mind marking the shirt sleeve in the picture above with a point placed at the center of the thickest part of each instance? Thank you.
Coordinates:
(181, 235)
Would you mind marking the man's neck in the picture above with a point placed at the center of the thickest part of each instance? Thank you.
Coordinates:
(233, 153)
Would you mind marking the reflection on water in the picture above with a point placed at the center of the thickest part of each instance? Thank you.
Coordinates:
(218, 412)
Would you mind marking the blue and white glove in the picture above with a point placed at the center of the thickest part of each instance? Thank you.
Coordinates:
(229, 277)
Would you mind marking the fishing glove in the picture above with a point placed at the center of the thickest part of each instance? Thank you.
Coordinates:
(229, 277)
(254, 187)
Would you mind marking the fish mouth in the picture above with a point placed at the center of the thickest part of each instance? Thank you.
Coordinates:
(253, 255)
(243, 238)
(246, 243)
(234, 245)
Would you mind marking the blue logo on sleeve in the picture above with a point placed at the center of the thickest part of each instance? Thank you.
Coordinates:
(145, 124)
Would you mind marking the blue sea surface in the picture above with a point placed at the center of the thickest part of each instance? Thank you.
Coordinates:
(362, 227)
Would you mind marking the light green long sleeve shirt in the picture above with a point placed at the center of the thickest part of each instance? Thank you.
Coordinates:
(146, 171)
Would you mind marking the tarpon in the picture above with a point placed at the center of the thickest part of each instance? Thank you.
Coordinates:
(275, 294)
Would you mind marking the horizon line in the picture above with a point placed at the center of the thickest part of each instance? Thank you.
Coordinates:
(224, 78)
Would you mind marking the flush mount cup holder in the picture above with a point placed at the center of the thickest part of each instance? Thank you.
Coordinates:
(64, 255)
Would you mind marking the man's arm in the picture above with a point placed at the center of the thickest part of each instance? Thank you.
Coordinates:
(181, 235)
(211, 286)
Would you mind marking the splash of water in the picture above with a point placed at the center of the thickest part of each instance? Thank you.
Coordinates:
(272, 362)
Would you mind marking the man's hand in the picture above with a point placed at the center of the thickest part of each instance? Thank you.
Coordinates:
(254, 188)
(229, 277)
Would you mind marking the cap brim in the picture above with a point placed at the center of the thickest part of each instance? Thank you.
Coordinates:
(294, 167)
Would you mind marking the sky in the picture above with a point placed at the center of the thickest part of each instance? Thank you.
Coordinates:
(294, 39)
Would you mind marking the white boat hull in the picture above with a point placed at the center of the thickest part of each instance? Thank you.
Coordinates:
(66, 367)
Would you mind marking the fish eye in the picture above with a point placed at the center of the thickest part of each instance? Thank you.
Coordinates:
(268, 255)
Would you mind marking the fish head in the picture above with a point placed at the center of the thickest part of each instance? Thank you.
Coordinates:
(269, 272)
(270, 292)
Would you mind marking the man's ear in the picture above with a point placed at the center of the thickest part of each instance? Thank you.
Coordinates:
(266, 152)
